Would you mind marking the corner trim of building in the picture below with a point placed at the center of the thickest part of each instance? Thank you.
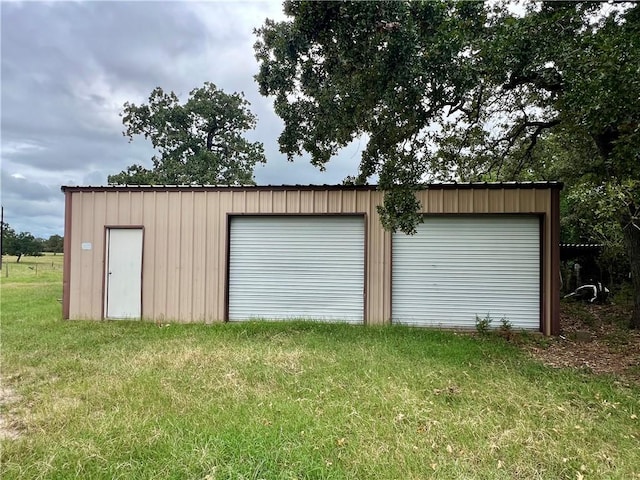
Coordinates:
(66, 266)
(555, 263)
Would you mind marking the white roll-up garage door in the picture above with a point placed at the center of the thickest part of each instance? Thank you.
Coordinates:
(457, 267)
(305, 267)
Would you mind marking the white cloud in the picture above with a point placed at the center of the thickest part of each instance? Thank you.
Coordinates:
(25, 147)
(102, 101)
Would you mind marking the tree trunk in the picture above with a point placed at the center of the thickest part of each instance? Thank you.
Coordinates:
(18, 259)
(632, 244)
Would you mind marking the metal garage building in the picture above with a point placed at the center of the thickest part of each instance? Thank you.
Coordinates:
(209, 254)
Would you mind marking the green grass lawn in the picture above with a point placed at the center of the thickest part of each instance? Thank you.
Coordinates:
(293, 400)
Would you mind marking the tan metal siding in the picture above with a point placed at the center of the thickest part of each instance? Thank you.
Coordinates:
(90, 303)
(450, 203)
(98, 215)
(156, 306)
(136, 207)
(279, 202)
(511, 201)
(320, 202)
(378, 265)
(307, 201)
(527, 201)
(198, 259)
(184, 256)
(334, 204)
(223, 206)
(252, 200)
(292, 202)
(496, 200)
(149, 216)
(86, 269)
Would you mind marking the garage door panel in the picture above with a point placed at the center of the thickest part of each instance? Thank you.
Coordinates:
(455, 268)
(297, 267)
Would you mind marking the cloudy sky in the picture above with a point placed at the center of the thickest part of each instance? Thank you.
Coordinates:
(68, 67)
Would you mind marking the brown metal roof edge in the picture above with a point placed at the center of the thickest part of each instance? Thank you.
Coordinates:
(438, 186)
(581, 245)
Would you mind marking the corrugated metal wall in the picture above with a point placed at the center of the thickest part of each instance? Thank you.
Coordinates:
(185, 257)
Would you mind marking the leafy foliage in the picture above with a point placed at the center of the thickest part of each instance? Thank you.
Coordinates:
(19, 244)
(54, 244)
(199, 142)
(451, 90)
(483, 325)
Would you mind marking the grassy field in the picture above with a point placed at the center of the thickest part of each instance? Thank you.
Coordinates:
(44, 269)
(292, 400)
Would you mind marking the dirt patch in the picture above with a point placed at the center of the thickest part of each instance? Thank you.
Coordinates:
(10, 428)
(593, 337)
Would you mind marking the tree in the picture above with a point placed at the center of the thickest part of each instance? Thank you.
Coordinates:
(54, 244)
(8, 238)
(199, 142)
(462, 90)
(19, 244)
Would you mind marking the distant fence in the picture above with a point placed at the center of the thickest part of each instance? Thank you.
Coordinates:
(30, 268)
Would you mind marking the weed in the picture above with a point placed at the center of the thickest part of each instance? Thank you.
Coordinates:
(483, 325)
(506, 329)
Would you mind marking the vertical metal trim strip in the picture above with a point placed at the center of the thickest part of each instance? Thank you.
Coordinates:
(555, 262)
(66, 263)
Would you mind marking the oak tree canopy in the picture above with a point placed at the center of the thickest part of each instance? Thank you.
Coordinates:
(199, 142)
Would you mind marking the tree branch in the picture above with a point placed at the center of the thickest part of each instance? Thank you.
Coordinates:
(548, 79)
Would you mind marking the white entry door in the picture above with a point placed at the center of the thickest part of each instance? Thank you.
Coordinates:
(123, 293)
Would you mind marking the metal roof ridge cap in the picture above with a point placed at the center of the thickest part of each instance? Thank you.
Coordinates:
(452, 184)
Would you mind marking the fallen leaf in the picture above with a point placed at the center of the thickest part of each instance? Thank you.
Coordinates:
(449, 449)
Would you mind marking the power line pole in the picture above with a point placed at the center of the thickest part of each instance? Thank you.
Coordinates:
(1, 232)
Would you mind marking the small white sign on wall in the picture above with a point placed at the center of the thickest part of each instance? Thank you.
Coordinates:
(86, 245)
